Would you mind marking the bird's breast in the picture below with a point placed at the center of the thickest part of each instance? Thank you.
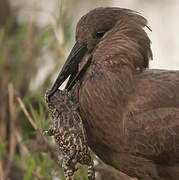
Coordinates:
(100, 108)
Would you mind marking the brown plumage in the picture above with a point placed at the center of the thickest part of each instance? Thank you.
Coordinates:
(131, 113)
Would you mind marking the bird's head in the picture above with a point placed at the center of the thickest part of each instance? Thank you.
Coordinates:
(108, 35)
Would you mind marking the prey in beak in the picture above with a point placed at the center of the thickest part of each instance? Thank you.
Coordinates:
(70, 68)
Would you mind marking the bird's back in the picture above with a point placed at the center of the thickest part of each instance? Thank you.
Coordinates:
(155, 89)
(154, 115)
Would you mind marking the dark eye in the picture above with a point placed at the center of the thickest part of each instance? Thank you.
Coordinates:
(100, 34)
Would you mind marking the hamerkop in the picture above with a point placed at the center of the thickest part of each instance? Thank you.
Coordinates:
(130, 112)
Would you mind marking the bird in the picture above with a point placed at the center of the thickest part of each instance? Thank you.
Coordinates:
(130, 112)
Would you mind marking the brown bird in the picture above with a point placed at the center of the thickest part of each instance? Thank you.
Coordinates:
(130, 112)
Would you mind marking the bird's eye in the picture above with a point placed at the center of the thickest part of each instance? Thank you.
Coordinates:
(100, 34)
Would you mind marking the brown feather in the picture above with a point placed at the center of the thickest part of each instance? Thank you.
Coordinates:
(131, 114)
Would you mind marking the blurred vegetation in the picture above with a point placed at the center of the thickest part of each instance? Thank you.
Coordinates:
(22, 48)
(24, 152)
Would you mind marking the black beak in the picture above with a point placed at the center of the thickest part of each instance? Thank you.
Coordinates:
(70, 67)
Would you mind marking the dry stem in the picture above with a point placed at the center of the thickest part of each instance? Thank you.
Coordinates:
(12, 122)
(26, 113)
(12, 139)
(1, 172)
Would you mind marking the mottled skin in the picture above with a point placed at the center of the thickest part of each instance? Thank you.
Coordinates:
(69, 134)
